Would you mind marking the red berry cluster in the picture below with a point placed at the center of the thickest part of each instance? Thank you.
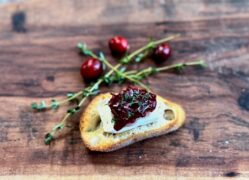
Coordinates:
(92, 69)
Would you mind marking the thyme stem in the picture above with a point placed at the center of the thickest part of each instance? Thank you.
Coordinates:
(140, 74)
(70, 98)
(50, 136)
(181, 65)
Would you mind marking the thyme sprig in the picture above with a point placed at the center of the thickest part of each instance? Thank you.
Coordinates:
(91, 90)
(141, 74)
(55, 104)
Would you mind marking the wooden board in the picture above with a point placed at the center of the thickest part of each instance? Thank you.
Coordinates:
(39, 61)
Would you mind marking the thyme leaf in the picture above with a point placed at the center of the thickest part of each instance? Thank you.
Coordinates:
(41, 106)
(54, 104)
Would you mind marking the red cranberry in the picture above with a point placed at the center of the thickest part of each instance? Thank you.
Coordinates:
(162, 52)
(91, 69)
(118, 45)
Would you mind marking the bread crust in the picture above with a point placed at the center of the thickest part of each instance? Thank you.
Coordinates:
(96, 140)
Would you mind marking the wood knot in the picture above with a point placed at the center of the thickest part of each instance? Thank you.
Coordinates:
(243, 100)
(231, 174)
(18, 21)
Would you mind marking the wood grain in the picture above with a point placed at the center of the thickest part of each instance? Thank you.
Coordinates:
(38, 60)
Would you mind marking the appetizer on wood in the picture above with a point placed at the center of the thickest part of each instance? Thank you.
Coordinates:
(113, 121)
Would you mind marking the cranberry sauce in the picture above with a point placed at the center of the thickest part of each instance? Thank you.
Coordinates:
(131, 104)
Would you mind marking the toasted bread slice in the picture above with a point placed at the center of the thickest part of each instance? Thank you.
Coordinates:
(96, 139)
